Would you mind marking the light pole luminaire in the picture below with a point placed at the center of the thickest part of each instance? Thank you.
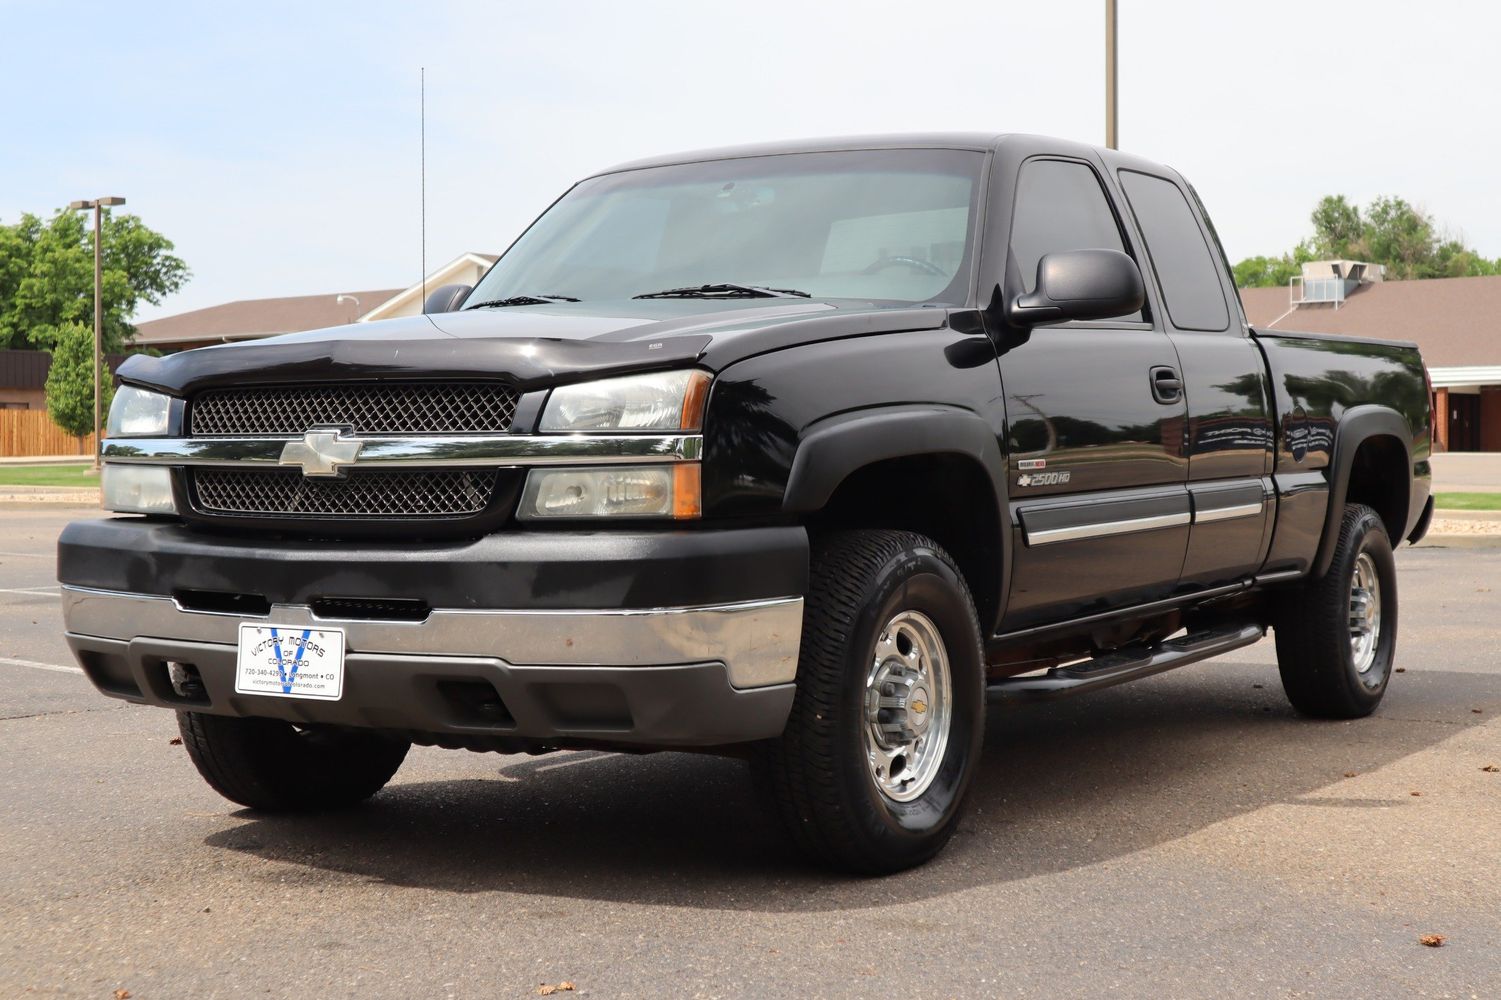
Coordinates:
(98, 205)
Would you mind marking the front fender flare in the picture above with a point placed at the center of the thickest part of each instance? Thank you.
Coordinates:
(833, 449)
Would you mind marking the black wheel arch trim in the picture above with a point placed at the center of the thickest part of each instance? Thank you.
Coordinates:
(832, 449)
(1358, 425)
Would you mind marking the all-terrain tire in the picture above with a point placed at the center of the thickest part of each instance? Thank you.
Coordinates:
(818, 772)
(273, 766)
(1313, 626)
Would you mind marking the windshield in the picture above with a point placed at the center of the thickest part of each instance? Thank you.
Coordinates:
(875, 225)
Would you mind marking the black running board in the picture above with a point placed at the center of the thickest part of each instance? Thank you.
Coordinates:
(1126, 664)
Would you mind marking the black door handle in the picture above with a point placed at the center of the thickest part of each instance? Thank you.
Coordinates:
(1167, 386)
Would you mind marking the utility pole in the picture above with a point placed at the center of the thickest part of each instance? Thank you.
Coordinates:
(1111, 139)
(97, 204)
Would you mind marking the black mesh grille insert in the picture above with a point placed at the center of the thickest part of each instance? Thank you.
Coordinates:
(376, 408)
(430, 493)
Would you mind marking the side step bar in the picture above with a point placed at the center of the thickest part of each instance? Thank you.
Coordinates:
(1125, 664)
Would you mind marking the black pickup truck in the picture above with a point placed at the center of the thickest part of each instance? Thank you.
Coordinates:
(802, 452)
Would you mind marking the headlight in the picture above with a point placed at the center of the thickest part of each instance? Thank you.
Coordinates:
(138, 413)
(662, 401)
(615, 491)
(137, 489)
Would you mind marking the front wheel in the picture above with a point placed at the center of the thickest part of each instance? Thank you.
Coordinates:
(1337, 635)
(275, 766)
(871, 772)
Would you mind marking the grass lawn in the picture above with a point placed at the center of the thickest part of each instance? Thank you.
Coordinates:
(1467, 501)
(48, 475)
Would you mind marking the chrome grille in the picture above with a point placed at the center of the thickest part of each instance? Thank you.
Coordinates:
(425, 493)
(374, 408)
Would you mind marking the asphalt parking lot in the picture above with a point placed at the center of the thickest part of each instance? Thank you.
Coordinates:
(1186, 836)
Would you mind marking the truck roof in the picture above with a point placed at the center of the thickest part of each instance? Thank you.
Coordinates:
(909, 140)
(980, 141)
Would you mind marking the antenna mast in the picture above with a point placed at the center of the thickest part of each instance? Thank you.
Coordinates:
(422, 131)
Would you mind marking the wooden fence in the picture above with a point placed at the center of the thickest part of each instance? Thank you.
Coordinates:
(25, 433)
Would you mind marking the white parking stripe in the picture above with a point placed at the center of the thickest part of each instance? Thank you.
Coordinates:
(6, 661)
(33, 591)
(30, 555)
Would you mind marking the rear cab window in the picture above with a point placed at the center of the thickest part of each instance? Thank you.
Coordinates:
(1191, 288)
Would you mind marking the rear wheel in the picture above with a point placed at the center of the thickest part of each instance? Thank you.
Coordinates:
(1337, 635)
(275, 766)
(871, 772)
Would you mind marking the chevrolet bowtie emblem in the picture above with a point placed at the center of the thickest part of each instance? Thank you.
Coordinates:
(322, 453)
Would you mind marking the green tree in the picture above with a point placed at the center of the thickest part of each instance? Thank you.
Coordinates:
(1390, 231)
(70, 380)
(1259, 272)
(47, 277)
(1337, 227)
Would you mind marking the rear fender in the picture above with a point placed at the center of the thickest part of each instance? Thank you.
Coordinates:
(1358, 425)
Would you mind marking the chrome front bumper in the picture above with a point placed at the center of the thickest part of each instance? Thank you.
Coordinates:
(504, 680)
(757, 641)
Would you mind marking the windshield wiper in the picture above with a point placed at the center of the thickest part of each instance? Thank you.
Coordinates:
(725, 290)
(523, 300)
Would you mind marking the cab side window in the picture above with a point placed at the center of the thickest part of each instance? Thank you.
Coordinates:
(1191, 289)
(1060, 205)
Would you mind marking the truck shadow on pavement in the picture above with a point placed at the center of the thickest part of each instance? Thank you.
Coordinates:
(1063, 786)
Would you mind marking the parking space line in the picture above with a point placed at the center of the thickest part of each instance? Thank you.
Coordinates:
(6, 661)
(30, 555)
(39, 591)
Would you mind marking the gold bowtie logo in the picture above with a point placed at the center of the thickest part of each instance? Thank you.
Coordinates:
(919, 707)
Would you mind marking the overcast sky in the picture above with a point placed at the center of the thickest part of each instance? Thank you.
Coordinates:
(277, 143)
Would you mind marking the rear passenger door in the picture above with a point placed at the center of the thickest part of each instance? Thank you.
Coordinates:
(1226, 384)
(1094, 428)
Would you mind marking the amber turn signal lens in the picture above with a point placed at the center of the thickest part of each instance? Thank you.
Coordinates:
(687, 490)
(695, 397)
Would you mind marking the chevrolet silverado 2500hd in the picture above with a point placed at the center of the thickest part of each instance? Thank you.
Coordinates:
(805, 452)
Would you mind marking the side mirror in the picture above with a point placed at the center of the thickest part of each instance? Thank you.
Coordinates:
(446, 298)
(1080, 284)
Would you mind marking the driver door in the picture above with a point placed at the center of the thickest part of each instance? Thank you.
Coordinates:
(1094, 432)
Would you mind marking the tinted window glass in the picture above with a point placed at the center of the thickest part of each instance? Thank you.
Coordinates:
(1190, 282)
(890, 225)
(1059, 206)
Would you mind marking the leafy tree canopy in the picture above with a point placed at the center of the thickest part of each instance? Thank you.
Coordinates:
(1390, 231)
(47, 277)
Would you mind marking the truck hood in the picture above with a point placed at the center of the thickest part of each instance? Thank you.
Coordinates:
(530, 346)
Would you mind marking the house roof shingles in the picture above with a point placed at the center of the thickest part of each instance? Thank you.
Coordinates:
(1456, 322)
(259, 317)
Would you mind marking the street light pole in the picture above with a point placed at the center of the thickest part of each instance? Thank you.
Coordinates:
(1110, 136)
(97, 204)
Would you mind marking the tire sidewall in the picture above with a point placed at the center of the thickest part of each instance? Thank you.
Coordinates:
(1369, 537)
(916, 580)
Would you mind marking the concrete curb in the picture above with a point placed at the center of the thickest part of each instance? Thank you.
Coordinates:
(1466, 515)
(64, 496)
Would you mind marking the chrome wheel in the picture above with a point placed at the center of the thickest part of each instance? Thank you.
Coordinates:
(907, 706)
(1365, 614)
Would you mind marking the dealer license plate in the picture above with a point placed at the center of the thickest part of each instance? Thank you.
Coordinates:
(290, 662)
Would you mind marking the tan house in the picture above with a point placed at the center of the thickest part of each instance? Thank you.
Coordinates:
(249, 319)
(1455, 321)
